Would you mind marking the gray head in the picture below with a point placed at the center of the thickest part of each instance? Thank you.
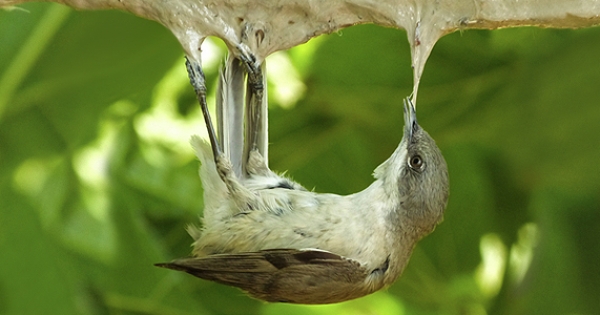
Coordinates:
(425, 177)
(416, 176)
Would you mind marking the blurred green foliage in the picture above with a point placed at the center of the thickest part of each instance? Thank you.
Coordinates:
(97, 182)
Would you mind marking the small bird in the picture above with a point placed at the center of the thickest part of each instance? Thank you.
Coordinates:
(279, 242)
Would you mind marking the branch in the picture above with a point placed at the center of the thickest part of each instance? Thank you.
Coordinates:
(263, 27)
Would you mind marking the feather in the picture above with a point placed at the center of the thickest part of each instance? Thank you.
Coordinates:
(230, 112)
(310, 276)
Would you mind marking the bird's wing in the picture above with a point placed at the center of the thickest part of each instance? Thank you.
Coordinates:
(307, 276)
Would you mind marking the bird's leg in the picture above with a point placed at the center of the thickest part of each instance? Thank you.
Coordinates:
(256, 135)
(224, 168)
(198, 81)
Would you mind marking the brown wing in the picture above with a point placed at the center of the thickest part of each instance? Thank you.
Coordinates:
(283, 275)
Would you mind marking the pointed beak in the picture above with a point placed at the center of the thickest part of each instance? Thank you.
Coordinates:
(410, 119)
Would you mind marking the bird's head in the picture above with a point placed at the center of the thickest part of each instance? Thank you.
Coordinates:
(415, 177)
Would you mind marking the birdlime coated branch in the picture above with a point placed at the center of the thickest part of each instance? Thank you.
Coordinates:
(281, 24)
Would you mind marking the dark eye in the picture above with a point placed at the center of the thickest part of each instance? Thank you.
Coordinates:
(415, 162)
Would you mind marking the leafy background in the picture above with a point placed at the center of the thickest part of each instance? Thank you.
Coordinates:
(97, 181)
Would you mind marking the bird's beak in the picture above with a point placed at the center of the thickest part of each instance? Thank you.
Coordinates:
(410, 119)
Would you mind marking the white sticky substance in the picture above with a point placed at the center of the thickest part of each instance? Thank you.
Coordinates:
(282, 24)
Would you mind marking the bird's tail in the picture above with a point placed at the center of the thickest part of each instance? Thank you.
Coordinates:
(241, 127)
(242, 123)
(230, 112)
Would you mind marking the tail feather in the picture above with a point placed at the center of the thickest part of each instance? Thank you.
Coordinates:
(241, 127)
(230, 112)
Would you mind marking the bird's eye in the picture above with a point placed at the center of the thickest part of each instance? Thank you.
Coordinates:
(415, 162)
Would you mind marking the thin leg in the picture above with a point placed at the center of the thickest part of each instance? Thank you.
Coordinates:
(239, 194)
(256, 110)
(199, 83)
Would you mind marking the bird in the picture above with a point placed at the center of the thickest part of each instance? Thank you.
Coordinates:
(279, 242)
